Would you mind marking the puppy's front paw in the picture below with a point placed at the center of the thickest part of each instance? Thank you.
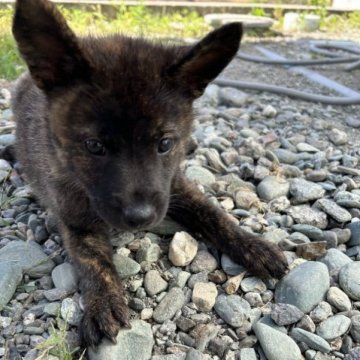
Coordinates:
(260, 257)
(267, 259)
(104, 315)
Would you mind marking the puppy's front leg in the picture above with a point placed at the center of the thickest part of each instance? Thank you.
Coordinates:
(191, 208)
(105, 307)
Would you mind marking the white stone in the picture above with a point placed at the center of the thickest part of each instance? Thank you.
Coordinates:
(146, 313)
(269, 111)
(204, 296)
(339, 299)
(5, 321)
(183, 249)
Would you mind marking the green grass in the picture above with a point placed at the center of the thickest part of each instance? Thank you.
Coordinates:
(10, 63)
(57, 345)
(346, 22)
(132, 20)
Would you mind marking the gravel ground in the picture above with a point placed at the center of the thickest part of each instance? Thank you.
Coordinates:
(284, 168)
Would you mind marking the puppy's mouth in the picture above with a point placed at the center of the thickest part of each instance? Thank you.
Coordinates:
(131, 218)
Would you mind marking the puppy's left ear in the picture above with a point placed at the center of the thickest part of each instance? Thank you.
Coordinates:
(203, 62)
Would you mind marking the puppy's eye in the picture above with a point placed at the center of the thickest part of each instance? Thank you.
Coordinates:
(165, 145)
(95, 147)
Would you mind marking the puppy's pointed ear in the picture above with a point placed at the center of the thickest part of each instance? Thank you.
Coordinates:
(203, 62)
(48, 45)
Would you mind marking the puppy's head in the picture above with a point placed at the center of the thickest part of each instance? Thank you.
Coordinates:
(119, 109)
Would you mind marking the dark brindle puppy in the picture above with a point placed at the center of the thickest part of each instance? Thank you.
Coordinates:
(102, 125)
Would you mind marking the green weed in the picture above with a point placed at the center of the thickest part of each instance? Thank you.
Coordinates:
(344, 22)
(257, 12)
(10, 63)
(322, 8)
(57, 345)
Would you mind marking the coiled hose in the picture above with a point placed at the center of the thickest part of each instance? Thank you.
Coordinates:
(319, 47)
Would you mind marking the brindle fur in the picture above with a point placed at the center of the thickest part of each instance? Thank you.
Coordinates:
(128, 93)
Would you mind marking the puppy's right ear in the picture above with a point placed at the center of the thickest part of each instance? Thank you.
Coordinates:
(48, 46)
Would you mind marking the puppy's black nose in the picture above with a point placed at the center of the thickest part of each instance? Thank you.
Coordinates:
(139, 215)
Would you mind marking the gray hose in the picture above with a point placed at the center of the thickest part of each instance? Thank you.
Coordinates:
(259, 59)
(353, 66)
(319, 47)
(281, 90)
